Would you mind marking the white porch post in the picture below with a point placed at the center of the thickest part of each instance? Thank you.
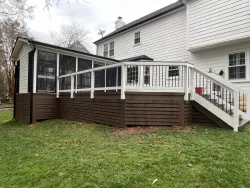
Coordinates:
(57, 74)
(123, 80)
(35, 71)
(76, 71)
(92, 84)
(236, 111)
(116, 82)
(186, 82)
(192, 80)
(105, 78)
(72, 87)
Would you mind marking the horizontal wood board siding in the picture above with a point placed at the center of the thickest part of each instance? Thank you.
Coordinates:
(23, 107)
(105, 108)
(45, 106)
(153, 109)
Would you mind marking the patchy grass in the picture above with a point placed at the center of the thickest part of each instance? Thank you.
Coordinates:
(6, 105)
(70, 154)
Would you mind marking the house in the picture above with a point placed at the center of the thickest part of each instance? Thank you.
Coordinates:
(206, 33)
(187, 62)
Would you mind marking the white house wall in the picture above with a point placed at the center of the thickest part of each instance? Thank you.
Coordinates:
(217, 59)
(217, 21)
(163, 39)
(24, 66)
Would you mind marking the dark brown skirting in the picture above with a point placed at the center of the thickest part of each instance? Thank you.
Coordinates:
(22, 108)
(138, 109)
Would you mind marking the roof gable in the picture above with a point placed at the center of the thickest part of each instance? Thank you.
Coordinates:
(144, 19)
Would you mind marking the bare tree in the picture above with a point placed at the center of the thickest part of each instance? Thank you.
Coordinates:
(15, 9)
(70, 34)
(48, 3)
(11, 29)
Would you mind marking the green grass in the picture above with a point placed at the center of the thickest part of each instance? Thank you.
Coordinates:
(68, 154)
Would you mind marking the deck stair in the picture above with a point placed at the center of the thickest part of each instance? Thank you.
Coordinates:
(221, 98)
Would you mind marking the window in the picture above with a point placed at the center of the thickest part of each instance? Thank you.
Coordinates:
(67, 66)
(111, 49)
(84, 80)
(46, 72)
(138, 37)
(173, 71)
(106, 50)
(237, 66)
(132, 75)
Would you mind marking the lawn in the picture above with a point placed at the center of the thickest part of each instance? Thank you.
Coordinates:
(71, 154)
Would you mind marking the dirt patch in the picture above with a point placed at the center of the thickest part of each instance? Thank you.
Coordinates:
(82, 125)
(145, 129)
(6, 110)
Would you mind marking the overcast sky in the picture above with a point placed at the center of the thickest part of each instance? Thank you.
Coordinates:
(94, 15)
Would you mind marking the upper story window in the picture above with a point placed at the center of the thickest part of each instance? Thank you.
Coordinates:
(106, 50)
(138, 37)
(46, 72)
(111, 49)
(237, 66)
(173, 71)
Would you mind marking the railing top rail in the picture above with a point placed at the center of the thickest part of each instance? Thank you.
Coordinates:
(142, 63)
(218, 80)
(159, 63)
(90, 70)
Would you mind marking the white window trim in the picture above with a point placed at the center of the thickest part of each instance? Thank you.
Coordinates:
(109, 49)
(247, 52)
(104, 49)
(137, 44)
(171, 77)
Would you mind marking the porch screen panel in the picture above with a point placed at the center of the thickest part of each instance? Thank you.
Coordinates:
(67, 65)
(84, 80)
(99, 75)
(46, 72)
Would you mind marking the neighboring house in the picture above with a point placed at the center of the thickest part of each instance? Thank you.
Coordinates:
(211, 34)
(78, 46)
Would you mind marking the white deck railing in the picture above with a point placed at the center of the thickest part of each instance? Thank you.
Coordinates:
(219, 96)
(129, 76)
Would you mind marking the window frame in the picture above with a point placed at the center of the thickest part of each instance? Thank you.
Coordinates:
(40, 91)
(247, 71)
(107, 50)
(137, 38)
(178, 68)
(111, 49)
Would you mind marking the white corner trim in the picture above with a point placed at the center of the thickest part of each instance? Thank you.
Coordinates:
(35, 71)
(248, 6)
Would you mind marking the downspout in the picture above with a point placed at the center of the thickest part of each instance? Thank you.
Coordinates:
(31, 78)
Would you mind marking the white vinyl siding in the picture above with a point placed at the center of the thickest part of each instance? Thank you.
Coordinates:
(163, 39)
(24, 66)
(217, 59)
(212, 21)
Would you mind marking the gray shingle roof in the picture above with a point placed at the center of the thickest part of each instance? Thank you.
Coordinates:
(144, 19)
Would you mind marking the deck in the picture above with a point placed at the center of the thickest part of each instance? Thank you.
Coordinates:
(140, 94)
